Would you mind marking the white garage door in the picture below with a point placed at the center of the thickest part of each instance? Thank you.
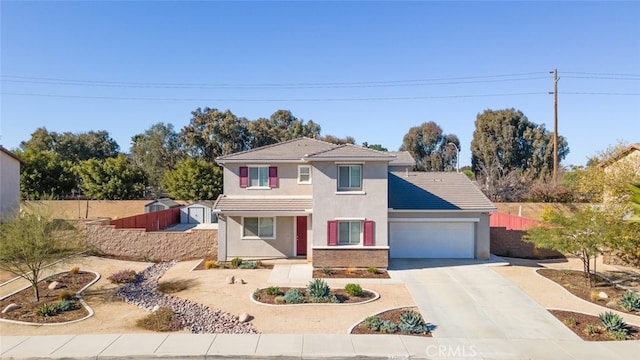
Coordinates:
(445, 240)
(196, 215)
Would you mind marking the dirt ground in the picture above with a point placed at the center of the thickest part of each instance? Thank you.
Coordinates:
(208, 288)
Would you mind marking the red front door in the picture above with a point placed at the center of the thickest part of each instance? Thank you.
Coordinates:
(301, 235)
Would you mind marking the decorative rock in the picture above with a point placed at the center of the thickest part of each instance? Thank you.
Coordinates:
(230, 279)
(612, 305)
(155, 308)
(241, 281)
(55, 285)
(602, 295)
(244, 317)
(10, 308)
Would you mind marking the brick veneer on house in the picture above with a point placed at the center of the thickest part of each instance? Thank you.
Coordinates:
(357, 258)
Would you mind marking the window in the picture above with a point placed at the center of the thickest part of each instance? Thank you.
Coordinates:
(304, 174)
(349, 177)
(259, 176)
(259, 227)
(349, 232)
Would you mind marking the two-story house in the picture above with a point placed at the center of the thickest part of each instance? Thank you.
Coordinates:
(340, 206)
(9, 181)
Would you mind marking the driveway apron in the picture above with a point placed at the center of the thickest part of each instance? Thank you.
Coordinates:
(471, 301)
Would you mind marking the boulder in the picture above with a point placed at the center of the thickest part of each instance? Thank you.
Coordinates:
(244, 317)
(241, 281)
(55, 285)
(612, 305)
(231, 279)
(602, 295)
(155, 308)
(10, 308)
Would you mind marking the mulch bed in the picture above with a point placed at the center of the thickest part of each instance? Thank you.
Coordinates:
(261, 296)
(349, 274)
(227, 265)
(71, 283)
(582, 320)
(393, 315)
(575, 282)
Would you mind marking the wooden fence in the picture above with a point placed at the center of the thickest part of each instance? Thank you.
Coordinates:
(511, 222)
(152, 221)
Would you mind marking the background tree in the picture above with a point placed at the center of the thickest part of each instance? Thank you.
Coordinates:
(73, 147)
(45, 175)
(193, 179)
(111, 179)
(156, 151)
(338, 140)
(505, 141)
(32, 239)
(635, 202)
(375, 146)
(429, 147)
(281, 126)
(212, 133)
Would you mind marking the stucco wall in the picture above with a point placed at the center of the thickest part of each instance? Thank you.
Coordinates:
(329, 204)
(94, 209)
(287, 181)
(156, 246)
(281, 246)
(9, 183)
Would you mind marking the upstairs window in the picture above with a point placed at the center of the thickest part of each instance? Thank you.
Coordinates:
(258, 176)
(304, 174)
(349, 177)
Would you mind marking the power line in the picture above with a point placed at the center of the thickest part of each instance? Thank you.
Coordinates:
(600, 74)
(602, 77)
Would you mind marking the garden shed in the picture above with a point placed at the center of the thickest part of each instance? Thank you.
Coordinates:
(198, 213)
(160, 204)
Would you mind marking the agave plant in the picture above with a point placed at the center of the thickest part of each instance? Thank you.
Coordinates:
(630, 301)
(612, 322)
(411, 322)
(318, 289)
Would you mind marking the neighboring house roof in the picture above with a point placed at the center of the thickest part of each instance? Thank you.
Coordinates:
(227, 203)
(403, 158)
(4, 150)
(349, 152)
(165, 201)
(435, 191)
(628, 150)
(292, 150)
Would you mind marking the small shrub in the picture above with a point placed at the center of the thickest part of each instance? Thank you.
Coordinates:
(372, 270)
(594, 296)
(373, 323)
(630, 301)
(411, 322)
(612, 322)
(67, 305)
(74, 270)
(161, 320)
(235, 262)
(325, 300)
(591, 330)
(273, 291)
(47, 310)
(279, 300)
(210, 264)
(248, 265)
(318, 289)
(327, 270)
(294, 296)
(619, 335)
(123, 277)
(353, 289)
(351, 270)
(388, 327)
(570, 321)
(256, 293)
(65, 295)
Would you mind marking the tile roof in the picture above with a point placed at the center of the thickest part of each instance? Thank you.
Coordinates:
(287, 150)
(350, 152)
(269, 204)
(626, 151)
(435, 191)
(402, 158)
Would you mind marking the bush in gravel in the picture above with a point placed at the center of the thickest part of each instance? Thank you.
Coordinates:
(353, 289)
(612, 322)
(318, 289)
(273, 291)
(326, 300)
(66, 305)
(47, 310)
(619, 335)
(326, 270)
(279, 300)
(74, 270)
(630, 301)
(570, 321)
(388, 327)
(591, 330)
(294, 296)
(372, 270)
(235, 262)
(210, 264)
(248, 265)
(161, 320)
(65, 295)
(123, 277)
(373, 322)
(411, 322)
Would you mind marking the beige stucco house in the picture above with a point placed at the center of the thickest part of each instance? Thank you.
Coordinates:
(341, 206)
(9, 181)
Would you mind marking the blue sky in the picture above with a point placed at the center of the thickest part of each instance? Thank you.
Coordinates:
(364, 69)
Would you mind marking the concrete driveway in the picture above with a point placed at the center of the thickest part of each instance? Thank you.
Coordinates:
(466, 299)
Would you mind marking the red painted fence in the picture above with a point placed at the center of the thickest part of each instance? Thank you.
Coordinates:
(511, 222)
(152, 221)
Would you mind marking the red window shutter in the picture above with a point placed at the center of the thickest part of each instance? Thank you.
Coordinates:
(332, 233)
(244, 176)
(368, 233)
(273, 176)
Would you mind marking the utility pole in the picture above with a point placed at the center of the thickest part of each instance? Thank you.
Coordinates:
(555, 126)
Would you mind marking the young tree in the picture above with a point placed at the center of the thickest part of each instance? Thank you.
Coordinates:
(430, 147)
(31, 239)
(193, 179)
(584, 234)
(111, 179)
